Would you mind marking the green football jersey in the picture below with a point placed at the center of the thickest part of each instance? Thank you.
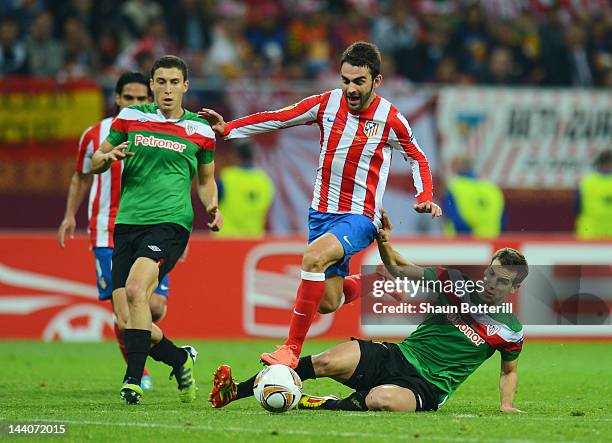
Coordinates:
(446, 348)
(156, 180)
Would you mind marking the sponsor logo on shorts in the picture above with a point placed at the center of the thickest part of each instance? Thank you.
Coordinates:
(151, 140)
(154, 248)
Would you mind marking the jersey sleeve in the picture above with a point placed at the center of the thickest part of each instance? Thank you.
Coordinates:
(301, 113)
(206, 141)
(402, 138)
(510, 350)
(86, 148)
(119, 129)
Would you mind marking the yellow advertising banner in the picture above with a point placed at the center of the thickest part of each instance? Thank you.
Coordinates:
(38, 111)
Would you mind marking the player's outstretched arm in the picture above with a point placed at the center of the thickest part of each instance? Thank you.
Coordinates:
(508, 379)
(107, 154)
(209, 195)
(79, 184)
(397, 265)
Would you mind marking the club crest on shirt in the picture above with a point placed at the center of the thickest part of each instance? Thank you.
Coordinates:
(190, 129)
(370, 128)
(492, 329)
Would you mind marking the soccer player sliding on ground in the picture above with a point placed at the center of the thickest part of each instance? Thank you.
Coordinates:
(132, 88)
(421, 372)
(162, 146)
(359, 130)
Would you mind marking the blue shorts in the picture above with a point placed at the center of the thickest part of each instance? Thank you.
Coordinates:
(355, 231)
(103, 275)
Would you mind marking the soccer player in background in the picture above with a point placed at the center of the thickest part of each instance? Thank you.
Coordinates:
(132, 88)
(162, 147)
(359, 130)
(421, 372)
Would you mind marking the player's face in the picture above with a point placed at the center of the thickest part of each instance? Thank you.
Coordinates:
(132, 94)
(168, 86)
(498, 283)
(358, 86)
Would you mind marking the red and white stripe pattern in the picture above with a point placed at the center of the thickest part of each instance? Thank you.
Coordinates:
(106, 187)
(355, 153)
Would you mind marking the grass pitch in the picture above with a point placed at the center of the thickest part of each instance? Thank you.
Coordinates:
(565, 389)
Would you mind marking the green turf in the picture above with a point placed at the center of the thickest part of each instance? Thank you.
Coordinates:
(565, 390)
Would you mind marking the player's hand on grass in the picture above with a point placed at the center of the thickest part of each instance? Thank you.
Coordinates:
(428, 207)
(67, 227)
(216, 218)
(215, 120)
(118, 152)
(385, 230)
(510, 410)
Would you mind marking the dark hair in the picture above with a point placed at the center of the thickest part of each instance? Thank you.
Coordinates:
(170, 61)
(604, 158)
(362, 54)
(244, 151)
(512, 257)
(132, 77)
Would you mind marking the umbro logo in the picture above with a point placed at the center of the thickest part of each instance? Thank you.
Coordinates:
(142, 120)
(154, 248)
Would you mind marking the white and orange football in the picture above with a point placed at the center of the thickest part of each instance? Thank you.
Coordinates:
(277, 388)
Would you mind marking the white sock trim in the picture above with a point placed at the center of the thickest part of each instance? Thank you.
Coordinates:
(313, 276)
(342, 300)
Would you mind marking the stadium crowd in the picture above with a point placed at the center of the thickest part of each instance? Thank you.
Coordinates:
(509, 42)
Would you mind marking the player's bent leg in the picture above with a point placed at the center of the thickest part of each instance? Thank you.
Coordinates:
(333, 297)
(320, 254)
(158, 305)
(338, 362)
(391, 398)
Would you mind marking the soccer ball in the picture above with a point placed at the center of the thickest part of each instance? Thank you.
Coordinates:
(277, 388)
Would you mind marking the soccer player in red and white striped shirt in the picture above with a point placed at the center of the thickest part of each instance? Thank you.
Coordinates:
(132, 88)
(359, 130)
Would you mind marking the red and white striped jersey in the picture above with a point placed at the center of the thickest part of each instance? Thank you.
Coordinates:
(356, 149)
(106, 187)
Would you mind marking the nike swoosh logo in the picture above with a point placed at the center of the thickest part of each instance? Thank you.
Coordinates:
(298, 313)
(330, 120)
(347, 240)
(163, 287)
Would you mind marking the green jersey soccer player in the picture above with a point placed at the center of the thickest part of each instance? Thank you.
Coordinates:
(421, 372)
(162, 146)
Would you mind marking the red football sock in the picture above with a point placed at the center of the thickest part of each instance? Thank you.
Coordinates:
(119, 336)
(357, 285)
(309, 296)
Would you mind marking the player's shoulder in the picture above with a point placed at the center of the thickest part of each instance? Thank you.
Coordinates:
(137, 111)
(197, 124)
(93, 130)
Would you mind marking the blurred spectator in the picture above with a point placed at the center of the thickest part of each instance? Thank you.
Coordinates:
(578, 58)
(245, 195)
(189, 24)
(396, 34)
(227, 49)
(45, 54)
(471, 42)
(139, 14)
(266, 34)
(554, 52)
(79, 50)
(13, 53)
(472, 206)
(501, 68)
(594, 219)
(154, 43)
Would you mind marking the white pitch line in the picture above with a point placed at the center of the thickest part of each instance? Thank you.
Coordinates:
(284, 431)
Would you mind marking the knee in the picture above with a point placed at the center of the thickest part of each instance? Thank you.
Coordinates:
(158, 306)
(328, 306)
(135, 292)
(323, 364)
(313, 262)
(379, 399)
